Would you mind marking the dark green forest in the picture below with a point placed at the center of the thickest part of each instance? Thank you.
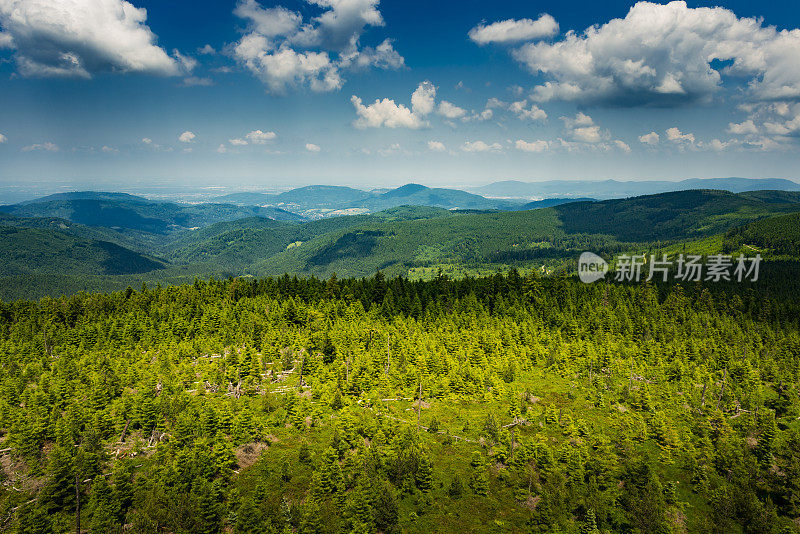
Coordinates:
(107, 241)
(503, 403)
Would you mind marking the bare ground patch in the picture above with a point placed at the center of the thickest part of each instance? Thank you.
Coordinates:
(249, 453)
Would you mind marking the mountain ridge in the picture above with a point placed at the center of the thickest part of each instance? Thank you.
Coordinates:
(606, 189)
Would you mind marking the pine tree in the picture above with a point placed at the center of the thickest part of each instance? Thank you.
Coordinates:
(330, 471)
(249, 519)
(147, 414)
(456, 488)
(768, 429)
(589, 525)
(33, 519)
(311, 520)
(386, 512)
(209, 506)
(359, 505)
(102, 507)
(424, 473)
(479, 482)
(304, 454)
(286, 474)
(123, 488)
(59, 490)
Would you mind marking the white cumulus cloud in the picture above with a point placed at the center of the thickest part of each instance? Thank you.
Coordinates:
(718, 146)
(270, 22)
(521, 110)
(649, 139)
(46, 147)
(676, 136)
(450, 110)
(423, 99)
(257, 137)
(510, 31)
(383, 56)
(284, 50)
(385, 113)
(744, 128)
(664, 54)
(186, 137)
(77, 38)
(622, 145)
(388, 113)
(3, 138)
(311, 147)
(532, 146)
(582, 128)
(480, 146)
(436, 146)
(585, 134)
(284, 68)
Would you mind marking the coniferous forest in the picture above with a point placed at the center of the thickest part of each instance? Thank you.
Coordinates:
(505, 403)
(399, 267)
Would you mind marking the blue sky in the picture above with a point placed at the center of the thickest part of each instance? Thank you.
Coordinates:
(105, 94)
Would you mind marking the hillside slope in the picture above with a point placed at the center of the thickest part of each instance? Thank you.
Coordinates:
(501, 237)
(142, 216)
(31, 250)
(607, 189)
(246, 241)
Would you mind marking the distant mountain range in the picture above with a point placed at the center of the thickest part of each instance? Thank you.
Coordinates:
(318, 200)
(132, 213)
(328, 197)
(68, 242)
(607, 189)
(550, 202)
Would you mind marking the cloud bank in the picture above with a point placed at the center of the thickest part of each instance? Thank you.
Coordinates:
(284, 51)
(78, 38)
(666, 55)
(511, 31)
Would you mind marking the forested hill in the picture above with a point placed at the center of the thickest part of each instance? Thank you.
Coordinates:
(27, 250)
(415, 241)
(135, 214)
(333, 197)
(544, 236)
(497, 404)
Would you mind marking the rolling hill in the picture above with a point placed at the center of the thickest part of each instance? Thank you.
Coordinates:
(245, 241)
(543, 235)
(608, 189)
(415, 241)
(667, 215)
(550, 202)
(88, 195)
(419, 195)
(322, 196)
(33, 250)
(775, 235)
(326, 197)
(140, 215)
